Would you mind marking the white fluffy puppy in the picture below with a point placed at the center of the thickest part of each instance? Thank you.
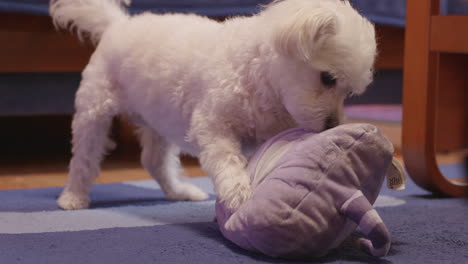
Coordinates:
(208, 88)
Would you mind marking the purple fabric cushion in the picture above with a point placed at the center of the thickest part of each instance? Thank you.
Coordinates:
(301, 181)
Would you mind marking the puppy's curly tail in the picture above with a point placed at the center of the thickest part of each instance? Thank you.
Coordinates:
(87, 17)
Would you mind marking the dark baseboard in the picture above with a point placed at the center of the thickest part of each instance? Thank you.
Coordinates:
(35, 136)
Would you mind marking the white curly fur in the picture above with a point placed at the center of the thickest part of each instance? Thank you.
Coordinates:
(207, 88)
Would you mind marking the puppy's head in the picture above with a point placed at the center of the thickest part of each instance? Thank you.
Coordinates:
(326, 51)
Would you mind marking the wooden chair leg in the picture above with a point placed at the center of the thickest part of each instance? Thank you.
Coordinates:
(421, 85)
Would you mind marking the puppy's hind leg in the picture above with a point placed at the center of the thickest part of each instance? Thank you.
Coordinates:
(161, 159)
(95, 105)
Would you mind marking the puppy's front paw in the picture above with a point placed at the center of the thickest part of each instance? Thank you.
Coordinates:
(72, 201)
(187, 192)
(236, 195)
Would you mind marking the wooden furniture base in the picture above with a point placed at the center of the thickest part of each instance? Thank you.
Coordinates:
(435, 94)
(30, 43)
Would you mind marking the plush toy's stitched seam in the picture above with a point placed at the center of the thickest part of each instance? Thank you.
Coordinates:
(294, 208)
(281, 180)
(345, 151)
(332, 162)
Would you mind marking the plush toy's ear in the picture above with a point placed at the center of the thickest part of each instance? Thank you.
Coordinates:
(304, 33)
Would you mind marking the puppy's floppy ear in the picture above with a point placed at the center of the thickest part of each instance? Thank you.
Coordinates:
(303, 33)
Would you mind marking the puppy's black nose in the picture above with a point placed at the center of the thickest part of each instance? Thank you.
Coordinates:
(331, 122)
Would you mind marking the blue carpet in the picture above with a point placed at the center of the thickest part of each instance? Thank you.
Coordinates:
(132, 223)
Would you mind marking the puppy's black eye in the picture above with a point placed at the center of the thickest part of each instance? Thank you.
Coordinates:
(327, 79)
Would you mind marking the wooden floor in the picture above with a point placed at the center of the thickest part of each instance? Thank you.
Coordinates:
(52, 171)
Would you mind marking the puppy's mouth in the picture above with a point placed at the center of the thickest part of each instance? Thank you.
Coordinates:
(331, 122)
(314, 126)
(319, 126)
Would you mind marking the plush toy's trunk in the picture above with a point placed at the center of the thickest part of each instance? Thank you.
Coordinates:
(359, 210)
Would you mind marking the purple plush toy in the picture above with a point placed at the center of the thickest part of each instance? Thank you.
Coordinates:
(310, 191)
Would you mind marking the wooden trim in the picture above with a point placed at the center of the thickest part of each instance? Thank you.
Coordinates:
(415, 94)
(449, 33)
(420, 86)
(451, 103)
(18, 22)
(390, 43)
(41, 52)
(31, 44)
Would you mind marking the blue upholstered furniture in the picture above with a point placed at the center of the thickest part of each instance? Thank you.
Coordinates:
(388, 12)
(28, 40)
(29, 37)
